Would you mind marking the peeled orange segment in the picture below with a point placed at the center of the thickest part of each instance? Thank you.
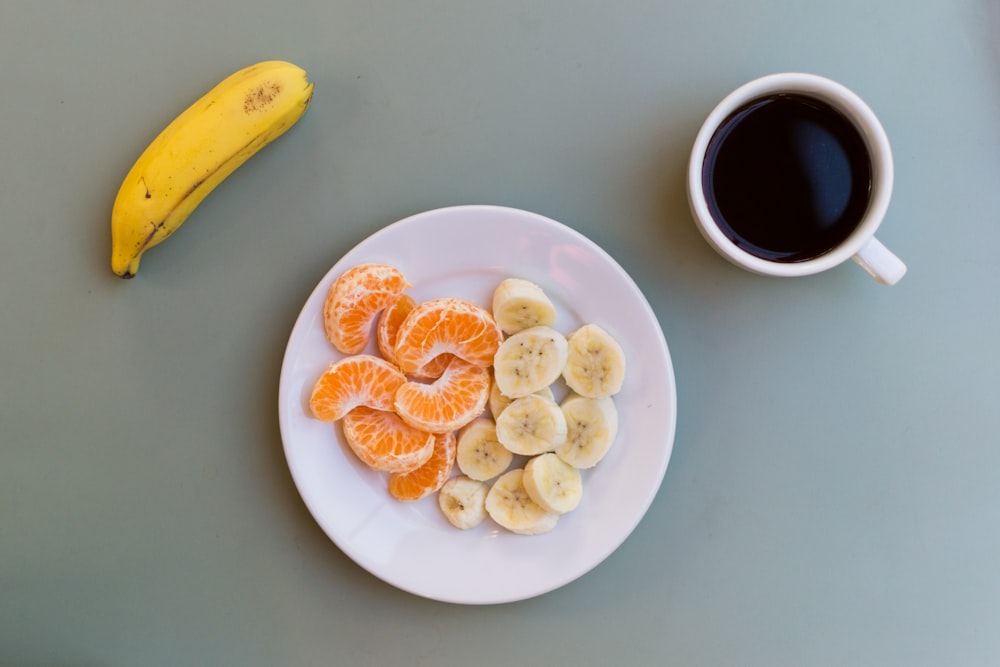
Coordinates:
(362, 379)
(429, 477)
(384, 442)
(385, 335)
(448, 403)
(388, 325)
(447, 325)
(355, 299)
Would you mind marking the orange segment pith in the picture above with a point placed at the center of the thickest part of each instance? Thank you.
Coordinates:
(362, 379)
(450, 402)
(355, 299)
(384, 442)
(429, 477)
(446, 325)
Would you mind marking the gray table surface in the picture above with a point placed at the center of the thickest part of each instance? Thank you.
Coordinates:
(833, 494)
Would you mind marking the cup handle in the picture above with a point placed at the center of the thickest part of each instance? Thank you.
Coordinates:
(880, 263)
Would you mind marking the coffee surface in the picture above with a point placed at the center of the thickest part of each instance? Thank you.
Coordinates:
(787, 177)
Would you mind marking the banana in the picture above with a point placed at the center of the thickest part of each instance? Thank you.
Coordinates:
(595, 363)
(552, 483)
(463, 502)
(498, 402)
(531, 425)
(509, 504)
(520, 304)
(480, 455)
(591, 429)
(529, 360)
(198, 150)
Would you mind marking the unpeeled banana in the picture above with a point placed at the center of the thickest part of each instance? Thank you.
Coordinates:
(198, 150)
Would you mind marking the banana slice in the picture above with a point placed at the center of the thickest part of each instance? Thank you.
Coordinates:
(463, 502)
(529, 360)
(480, 454)
(552, 483)
(531, 425)
(595, 363)
(519, 304)
(498, 402)
(509, 504)
(592, 426)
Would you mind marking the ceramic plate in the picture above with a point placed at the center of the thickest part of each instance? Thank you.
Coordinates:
(465, 252)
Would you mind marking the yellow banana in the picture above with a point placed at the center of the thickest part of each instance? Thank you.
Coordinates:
(198, 150)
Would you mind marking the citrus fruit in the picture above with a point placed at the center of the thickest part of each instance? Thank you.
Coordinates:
(388, 325)
(385, 335)
(361, 379)
(384, 442)
(448, 403)
(446, 325)
(355, 299)
(429, 477)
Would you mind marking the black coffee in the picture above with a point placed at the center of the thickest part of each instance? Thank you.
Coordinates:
(787, 177)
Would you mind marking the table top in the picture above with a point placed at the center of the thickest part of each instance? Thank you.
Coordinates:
(831, 497)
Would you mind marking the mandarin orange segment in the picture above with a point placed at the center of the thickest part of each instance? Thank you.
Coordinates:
(362, 379)
(384, 442)
(446, 325)
(354, 301)
(388, 325)
(431, 476)
(448, 403)
(385, 335)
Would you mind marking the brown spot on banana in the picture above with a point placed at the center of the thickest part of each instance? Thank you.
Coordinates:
(260, 97)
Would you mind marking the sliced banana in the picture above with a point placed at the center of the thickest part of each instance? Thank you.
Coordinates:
(531, 425)
(595, 362)
(529, 360)
(498, 402)
(480, 455)
(519, 304)
(509, 504)
(592, 426)
(463, 501)
(552, 483)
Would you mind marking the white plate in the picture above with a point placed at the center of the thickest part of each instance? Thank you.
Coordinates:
(464, 252)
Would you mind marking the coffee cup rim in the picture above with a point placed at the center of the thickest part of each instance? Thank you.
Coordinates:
(844, 100)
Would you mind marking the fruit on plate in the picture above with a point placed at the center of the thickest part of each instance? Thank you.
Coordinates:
(509, 504)
(591, 429)
(452, 384)
(595, 362)
(552, 483)
(463, 501)
(531, 425)
(355, 299)
(529, 361)
(362, 379)
(446, 325)
(429, 477)
(498, 402)
(384, 441)
(521, 304)
(198, 150)
(447, 404)
(481, 456)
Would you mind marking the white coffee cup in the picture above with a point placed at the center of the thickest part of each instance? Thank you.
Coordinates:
(861, 244)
